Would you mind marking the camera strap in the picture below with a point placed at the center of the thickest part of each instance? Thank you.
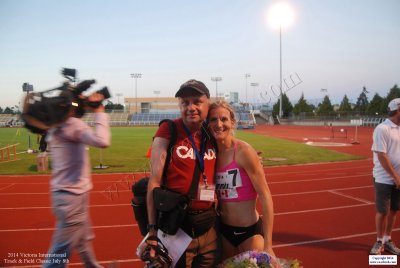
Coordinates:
(172, 141)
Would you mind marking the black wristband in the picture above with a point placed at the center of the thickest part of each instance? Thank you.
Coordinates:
(151, 226)
(152, 238)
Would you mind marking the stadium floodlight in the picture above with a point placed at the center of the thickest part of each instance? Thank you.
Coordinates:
(136, 76)
(26, 87)
(157, 92)
(118, 95)
(216, 80)
(280, 15)
(254, 85)
(245, 77)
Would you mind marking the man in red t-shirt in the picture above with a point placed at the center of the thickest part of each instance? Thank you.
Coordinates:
(194, 99)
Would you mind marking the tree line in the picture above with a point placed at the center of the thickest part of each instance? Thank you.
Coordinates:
(377, 106)
(10, 110)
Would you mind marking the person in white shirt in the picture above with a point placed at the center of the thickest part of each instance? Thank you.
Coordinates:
(386, 173)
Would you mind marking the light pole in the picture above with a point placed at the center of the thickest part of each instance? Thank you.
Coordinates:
(136, 76)
(156, 92)
(26, 87)
(254, 85)
(280, 15)
(216, 80)
(118, 95)
(280, 71)
(246, 76)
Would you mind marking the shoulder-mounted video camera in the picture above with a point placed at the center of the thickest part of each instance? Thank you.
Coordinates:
(46, 109)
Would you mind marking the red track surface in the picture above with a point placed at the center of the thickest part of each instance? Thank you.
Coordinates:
(324, 213)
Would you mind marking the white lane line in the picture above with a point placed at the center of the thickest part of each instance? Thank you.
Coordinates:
(52, 229)
(322, 167)
(104, 192)
(274, 195)
(112, 191)
(91, 206)
(323, 191)
(111, 182)
(351, 197)
(327, 239)
(322, 179)
(8, 185)
(319, 209)
(131, 177)
(135, 225)
(307, 242)
(94, 175)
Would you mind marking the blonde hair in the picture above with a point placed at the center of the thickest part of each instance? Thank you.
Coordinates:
(225, 105)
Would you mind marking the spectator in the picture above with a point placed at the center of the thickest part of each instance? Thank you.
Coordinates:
(43, 143)
(386, 173)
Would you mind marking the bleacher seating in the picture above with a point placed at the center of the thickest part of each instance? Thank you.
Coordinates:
(245, 120)
(116, 119)
(10, 120)
(150, 119)
(372, 121)
(4, 119)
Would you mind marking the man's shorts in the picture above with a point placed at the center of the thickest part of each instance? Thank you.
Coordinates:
(386, 196)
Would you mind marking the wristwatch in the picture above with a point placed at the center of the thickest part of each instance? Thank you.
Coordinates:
(151, 226)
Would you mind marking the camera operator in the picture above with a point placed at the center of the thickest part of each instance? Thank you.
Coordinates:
(71, 182)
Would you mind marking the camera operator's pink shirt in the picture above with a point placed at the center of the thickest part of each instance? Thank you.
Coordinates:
(69, 151)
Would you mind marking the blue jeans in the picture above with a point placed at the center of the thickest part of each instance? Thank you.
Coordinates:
(73, 230)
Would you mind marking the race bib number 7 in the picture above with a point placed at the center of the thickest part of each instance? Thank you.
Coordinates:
(226, 183)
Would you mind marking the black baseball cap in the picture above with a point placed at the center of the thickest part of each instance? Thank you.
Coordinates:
(193, 86)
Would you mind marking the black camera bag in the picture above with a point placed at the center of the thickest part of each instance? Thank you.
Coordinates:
(171, 208)
(139, 190)
(198, 224)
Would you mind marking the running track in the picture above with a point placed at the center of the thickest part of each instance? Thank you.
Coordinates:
(324, 213)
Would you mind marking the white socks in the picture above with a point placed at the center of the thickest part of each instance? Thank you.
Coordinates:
(386, 238)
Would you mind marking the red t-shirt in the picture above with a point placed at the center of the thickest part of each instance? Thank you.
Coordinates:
(183, 161)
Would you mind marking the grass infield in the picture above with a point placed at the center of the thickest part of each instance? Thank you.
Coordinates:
(129, 146)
